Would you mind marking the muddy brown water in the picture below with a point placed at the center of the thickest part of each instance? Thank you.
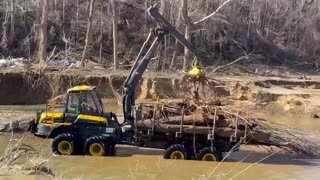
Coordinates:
(144, 163)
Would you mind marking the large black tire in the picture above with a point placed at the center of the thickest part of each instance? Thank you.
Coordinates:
(210, 154)
(96, 146)
(64, 144)
(176, 151)
(111, 149)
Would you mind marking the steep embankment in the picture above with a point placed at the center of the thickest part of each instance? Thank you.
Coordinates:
(27, 88)
(271, 94)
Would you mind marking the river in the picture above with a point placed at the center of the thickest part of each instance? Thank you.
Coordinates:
(144, 163)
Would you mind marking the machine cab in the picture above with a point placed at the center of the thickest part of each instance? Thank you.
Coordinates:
(83, 107)
(83, 100)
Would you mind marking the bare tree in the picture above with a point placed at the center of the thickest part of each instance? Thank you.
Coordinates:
(176, 44)
(115, 35)
(12, 23)
(101, 33)
(77, 22)
(43, 35)
(4, 38)
(162, 46)
(63, 16)
(187, 33)
(146, 6)
(214, 13)
(88, 35)
(55, 6)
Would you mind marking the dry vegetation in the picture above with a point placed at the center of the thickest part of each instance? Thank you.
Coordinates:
(275, 32)
(22, 159)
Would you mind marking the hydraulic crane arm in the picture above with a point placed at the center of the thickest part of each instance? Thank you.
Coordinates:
(140, 65)
(143, 59)
(164, 24)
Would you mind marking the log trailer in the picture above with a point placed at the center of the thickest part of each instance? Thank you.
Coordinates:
(81, 126)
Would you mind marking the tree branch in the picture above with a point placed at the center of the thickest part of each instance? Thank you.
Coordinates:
(229, 64)
(214, 13)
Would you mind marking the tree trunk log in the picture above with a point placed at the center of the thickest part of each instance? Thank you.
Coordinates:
(196, 119)
(202, 130)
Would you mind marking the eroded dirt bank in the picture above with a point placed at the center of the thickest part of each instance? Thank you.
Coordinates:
(292, 95)
(292, 100)
(31, 88)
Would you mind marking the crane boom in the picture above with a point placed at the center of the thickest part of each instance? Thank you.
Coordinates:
(143, 59)
(164, 24)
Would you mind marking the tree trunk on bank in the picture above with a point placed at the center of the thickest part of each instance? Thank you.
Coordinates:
(176, 44)
(101, 33)
(43, 35)
(4, 39)
(88, 35)
(187, 33)
(12, 23)
(77, 23)
(115, 35)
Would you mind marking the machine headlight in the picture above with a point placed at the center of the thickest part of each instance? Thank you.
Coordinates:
(110, 130)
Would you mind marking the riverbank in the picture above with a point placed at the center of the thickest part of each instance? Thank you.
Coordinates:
(291, 99)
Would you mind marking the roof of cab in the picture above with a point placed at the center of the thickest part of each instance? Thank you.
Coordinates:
(81, 88)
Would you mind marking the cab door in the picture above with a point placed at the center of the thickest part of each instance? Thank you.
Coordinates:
(73, 108)
(90, 110)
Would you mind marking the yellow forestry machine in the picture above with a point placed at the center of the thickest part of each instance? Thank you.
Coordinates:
(82, 127)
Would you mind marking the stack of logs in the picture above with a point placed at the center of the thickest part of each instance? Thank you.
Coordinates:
(191, 118)
(194, 119)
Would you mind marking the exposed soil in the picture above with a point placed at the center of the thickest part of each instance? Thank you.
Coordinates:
(289, 98)
(287, 95)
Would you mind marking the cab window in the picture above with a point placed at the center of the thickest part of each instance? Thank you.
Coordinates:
(73, 103)
(88, 105)
(97, 101)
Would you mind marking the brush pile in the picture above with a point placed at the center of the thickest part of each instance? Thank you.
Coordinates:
(22, 159)
(192, 118)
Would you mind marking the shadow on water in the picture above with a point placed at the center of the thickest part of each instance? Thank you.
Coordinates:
(244, 156)
(127, 151)
(247, 156)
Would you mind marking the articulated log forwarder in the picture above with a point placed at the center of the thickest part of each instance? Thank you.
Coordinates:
(184, 130)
